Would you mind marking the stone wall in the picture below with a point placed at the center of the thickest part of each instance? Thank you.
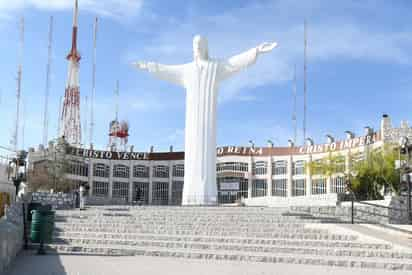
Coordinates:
(11, 235)
(93, 200)
(310, 200)
(390, 211)
(57, 200)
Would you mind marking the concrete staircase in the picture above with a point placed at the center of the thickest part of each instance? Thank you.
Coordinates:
(220, 233)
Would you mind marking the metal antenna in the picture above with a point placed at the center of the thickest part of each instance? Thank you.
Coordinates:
(23, 126)
(60, 116)
(294, 119)
(47, 90)
(116, 92)
(304, 81)
(85, 118)
(18, 90)
(93, 84)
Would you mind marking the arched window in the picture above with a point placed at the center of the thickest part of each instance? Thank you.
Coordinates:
(259, 168)
(299, 167)
(78, 168)
(101, 170)
(319, 186)
(259, 188)
(232, 166)
(161, 171)
(279, 167)
(140, 171)
(120, 171)
(178, 170)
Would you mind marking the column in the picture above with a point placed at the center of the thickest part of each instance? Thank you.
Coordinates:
(150, 182)
(90, 177)
(269, 178)
(131, 182)
(170, 182)
(328, 185)
(290, 176)
(308, 177)
(250, 178)
(111, 180)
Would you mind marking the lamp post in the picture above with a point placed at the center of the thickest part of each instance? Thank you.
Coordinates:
(349, 191)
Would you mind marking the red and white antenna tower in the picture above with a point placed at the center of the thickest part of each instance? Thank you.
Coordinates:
(70, 116)
(118, 130)
(47, 90)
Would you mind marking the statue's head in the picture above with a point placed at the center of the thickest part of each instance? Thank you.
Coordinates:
(200, 48)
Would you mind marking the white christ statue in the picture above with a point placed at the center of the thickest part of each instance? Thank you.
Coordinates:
(201, 79)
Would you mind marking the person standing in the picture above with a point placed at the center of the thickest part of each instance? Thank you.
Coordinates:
(82, 191)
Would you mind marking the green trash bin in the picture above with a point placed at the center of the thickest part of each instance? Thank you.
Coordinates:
(42, 225)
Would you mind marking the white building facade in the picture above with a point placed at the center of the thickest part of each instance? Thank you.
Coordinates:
(254, 175)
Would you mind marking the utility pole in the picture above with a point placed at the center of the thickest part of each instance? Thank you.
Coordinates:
(23, 126)
(305, 81)
(116, 93)
(294, 119)
(91, 131)
(85, 119)
(47, 90)
(18, 90)
(60, 116)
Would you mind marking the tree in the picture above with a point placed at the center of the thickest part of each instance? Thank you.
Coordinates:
(375, 172)
(368, 175)
(50, 172)
(332, 164)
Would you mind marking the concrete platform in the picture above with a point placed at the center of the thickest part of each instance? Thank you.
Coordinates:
(29, 263)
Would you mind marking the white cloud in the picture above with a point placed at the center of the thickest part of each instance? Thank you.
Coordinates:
(118, 9)
(330, 39)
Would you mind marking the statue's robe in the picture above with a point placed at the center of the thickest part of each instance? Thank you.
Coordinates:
(201, 80)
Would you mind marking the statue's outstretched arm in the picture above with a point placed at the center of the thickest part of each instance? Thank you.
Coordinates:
(171, 73)
(241, 61)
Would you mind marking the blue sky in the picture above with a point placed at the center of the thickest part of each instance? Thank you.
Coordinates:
(359, 65)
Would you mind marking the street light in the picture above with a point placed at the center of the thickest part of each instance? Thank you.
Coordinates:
(349, 134)
(309, 141)
(368, 130)
(252, 144)
(330, 139)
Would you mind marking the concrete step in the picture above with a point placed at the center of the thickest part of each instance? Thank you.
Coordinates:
(159, 228)
(197, 217)
(180, 233)
(181, 223)
(341, 261)
(218, 246)
(73, 238)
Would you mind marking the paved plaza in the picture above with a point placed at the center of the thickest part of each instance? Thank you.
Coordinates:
(28, 263)
(213, 240)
